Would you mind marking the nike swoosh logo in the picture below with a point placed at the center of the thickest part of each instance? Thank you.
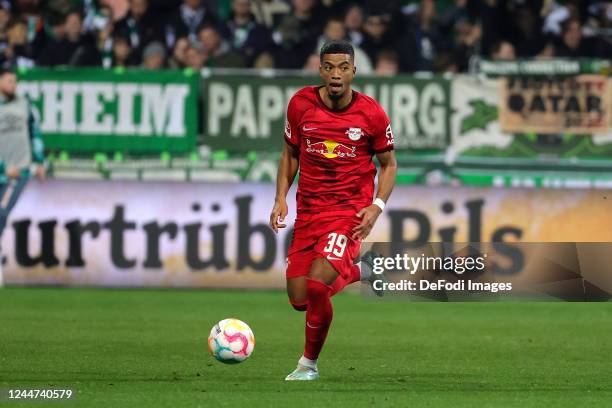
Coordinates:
(333, 258)
(312, 327)
(307, 129)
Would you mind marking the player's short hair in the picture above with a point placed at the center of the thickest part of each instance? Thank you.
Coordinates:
(337, 47)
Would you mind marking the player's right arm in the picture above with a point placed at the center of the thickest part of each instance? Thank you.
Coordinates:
(287, 169)
(287, 166)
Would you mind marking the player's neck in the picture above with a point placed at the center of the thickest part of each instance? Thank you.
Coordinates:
(337, 104)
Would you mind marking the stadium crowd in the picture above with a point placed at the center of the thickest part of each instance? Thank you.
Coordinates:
(389, 36)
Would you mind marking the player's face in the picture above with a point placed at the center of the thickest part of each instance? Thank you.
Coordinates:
(337, 72)
(8, 84)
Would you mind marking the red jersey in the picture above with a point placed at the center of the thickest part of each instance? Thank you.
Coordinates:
(335, 151)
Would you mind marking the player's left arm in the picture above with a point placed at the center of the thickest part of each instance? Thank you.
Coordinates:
(386, 181)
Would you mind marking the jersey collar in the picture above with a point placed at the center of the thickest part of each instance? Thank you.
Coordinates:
(354, 98)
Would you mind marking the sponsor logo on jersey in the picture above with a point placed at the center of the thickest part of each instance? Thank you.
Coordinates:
(330, 149)
(389, 135)
(354, 133)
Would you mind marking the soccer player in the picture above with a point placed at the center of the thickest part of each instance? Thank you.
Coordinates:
(20, 146)
(331, 134)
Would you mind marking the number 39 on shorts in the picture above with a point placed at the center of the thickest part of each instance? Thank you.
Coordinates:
(336, 244)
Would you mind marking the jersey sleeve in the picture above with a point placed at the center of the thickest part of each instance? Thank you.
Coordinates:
(382, 139)
(292, 127)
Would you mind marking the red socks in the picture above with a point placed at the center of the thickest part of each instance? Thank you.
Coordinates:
(340, 283)
(318, 317)
(319, 311)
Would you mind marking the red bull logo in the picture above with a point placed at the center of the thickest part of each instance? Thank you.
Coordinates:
(330, 149)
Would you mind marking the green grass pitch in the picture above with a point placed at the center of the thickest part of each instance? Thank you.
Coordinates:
(147, 348)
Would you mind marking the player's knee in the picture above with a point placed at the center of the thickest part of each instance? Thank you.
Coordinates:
(299, 306)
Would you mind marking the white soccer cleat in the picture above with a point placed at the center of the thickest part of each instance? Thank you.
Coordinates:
(303, 373)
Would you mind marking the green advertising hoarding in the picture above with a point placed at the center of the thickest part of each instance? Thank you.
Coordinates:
(244, 113)
(135, 111)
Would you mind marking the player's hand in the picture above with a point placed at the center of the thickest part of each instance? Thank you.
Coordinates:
(279, 212)
(41, 173)
(368, 216)
(13, 172)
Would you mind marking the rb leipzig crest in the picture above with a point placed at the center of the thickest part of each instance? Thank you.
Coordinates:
(354, 133)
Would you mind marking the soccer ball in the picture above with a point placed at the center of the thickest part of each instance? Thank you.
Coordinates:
(231, 341)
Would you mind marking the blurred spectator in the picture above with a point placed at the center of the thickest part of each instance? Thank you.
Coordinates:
(556, 14)
(334, 30)
(5, 16)
(375, 35)
(195, 56)
(31, 12)
(387, 63)
(391, 11)
(103, 28)
(458, 11)
(17, 52)
(119, 7)
(600, 25)
(219, 52)
(426, 35)
(269, 12)
(123, 55)
(179, 54)
(154, 56)
(139, 26)
(353, 21)
(421, 41)
(502, 50)
(297, 35)
(548, 51)
(185, 22)
(73, 47)
(467, 44)
(572, 43)
(492, 22)
(264, 61)
(245, 34)
(313, 63)
(526, 33)
(96, 17)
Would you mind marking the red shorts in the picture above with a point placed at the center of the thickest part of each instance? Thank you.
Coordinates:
(323, 236)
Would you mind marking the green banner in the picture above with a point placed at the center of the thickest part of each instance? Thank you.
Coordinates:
(247, 113)
(134, 111)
